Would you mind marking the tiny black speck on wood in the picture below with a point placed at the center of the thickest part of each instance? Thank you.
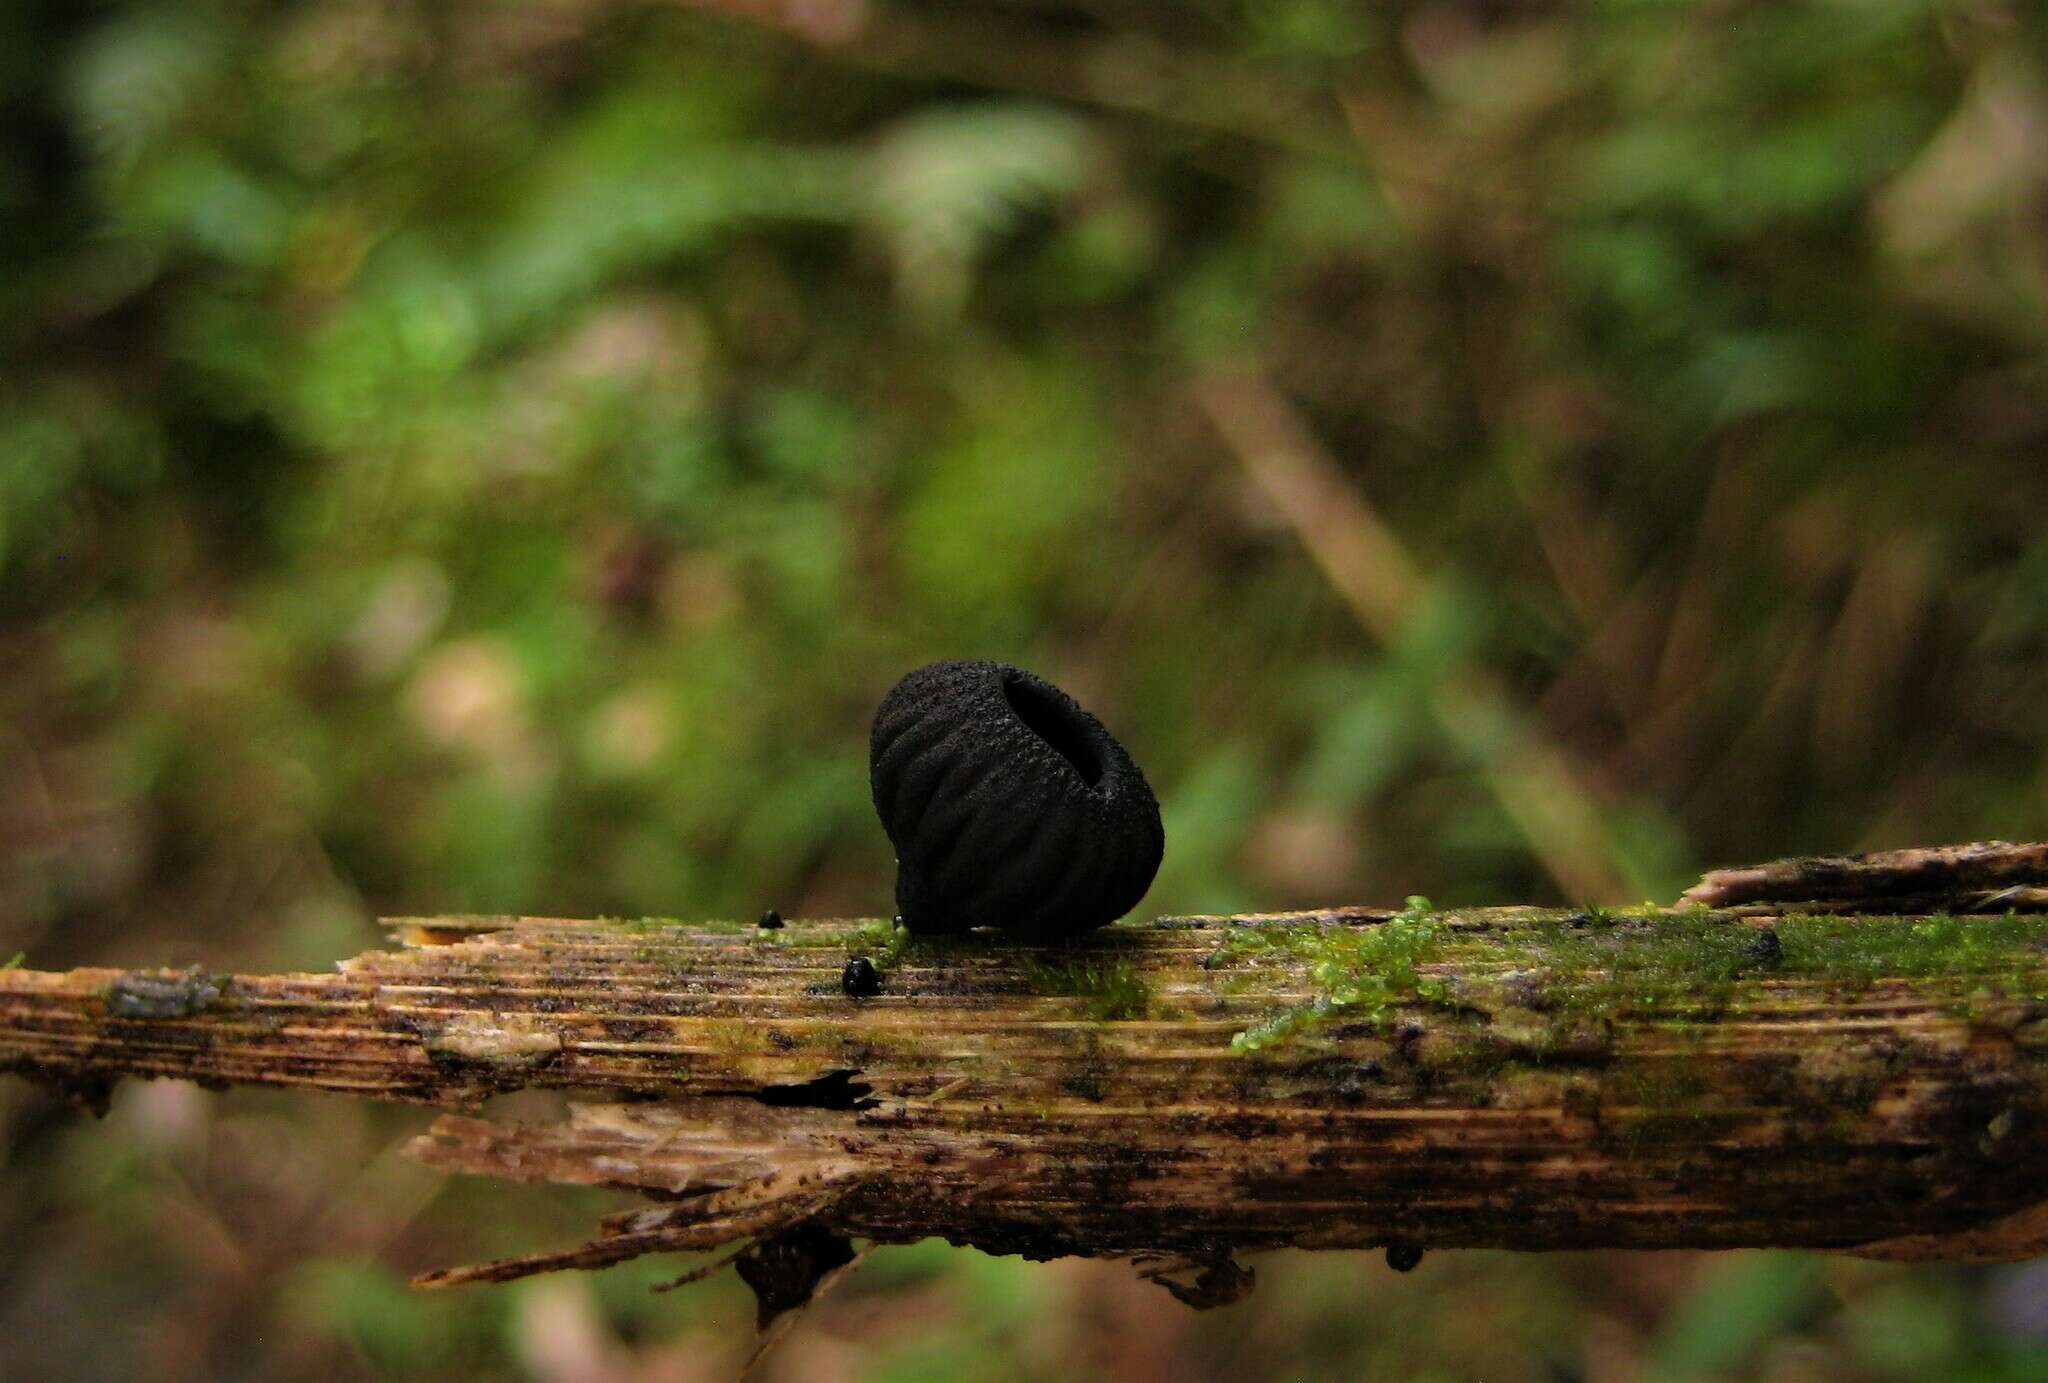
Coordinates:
(1402, 1258)
(770, 919)
(860, 979)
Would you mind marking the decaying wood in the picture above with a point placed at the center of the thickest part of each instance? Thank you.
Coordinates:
(1735, 1071)
(1987, 876)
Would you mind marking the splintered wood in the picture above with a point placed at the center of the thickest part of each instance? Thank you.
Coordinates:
(1843, 1053)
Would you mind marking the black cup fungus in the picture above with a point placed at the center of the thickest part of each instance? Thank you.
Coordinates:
(1009, 805)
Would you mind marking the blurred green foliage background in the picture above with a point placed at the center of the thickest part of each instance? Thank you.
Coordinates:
(495, 456)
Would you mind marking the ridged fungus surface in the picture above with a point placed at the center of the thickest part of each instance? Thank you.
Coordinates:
(1009, 805)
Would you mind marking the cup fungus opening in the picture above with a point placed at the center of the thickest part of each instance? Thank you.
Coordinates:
(1049, 718)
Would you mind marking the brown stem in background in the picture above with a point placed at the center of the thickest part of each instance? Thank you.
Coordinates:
(1372, 572)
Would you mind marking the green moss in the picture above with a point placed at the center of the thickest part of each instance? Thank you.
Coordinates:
(646, 926)
(730, 1035)
(1696, 964)
(1574, 972)
(1113, 991)
(871, 1043)
(1363, 972)
(1238, 983)
(720, 926)
(817, 938)
(1861, 950)
(882, 941)
(1679, 964)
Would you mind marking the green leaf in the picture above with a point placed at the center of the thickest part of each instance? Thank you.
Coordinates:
(1739, 1304)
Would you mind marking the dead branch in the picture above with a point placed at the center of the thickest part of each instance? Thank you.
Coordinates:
(1706, 1076)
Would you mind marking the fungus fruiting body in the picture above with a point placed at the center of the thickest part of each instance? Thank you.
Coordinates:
(770, 920)
(1009, 805)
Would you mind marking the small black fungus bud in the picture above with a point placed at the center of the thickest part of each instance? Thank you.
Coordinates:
(1403, 1257)
(1766, 950)
(785, 1271)
(860, 979)
(1009, 805)
(770, 920)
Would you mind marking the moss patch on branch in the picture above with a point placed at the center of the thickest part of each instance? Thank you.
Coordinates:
(1364, 972)
(1109, 987)
(1862, 950)
(1698, 964)
(1573, 969)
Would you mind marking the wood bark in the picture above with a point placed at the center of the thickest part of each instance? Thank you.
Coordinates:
(1752, 1067)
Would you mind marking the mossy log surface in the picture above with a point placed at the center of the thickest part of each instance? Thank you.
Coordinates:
(1765, 1073)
